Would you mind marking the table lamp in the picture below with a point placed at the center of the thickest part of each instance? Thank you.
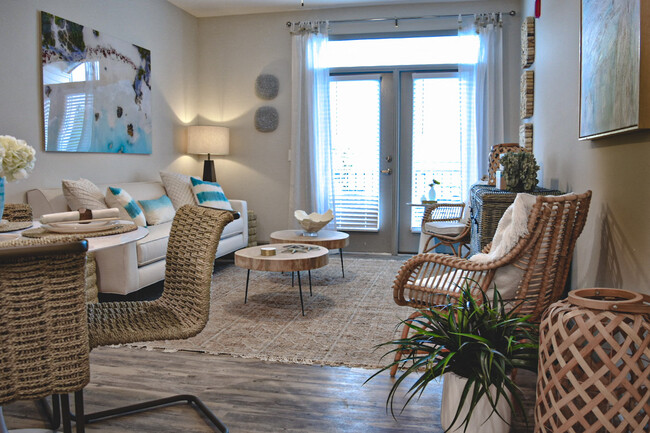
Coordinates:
(208, 140)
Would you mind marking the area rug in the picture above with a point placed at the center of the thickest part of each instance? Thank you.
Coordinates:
(345, 318)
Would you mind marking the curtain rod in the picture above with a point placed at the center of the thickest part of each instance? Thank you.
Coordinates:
(512, 13)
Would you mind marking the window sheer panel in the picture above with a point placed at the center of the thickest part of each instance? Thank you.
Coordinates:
(355, 125)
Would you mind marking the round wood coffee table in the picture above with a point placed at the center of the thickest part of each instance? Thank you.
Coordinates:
(303, 258)
(325, 238)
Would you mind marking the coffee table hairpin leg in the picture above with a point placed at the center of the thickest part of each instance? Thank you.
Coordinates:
(342, 268)
(302, 305)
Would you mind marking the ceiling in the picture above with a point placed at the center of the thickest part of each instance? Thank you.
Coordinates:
(215, 8)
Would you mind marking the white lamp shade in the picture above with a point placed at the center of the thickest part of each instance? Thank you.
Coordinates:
(213, 140)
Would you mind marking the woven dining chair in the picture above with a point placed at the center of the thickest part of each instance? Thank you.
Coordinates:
(43, 335)
(446, 224)
(542, 257)
(17, 212)
(182, 310)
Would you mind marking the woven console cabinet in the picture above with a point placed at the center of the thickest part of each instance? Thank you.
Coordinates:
(487, 205)
(594, 363)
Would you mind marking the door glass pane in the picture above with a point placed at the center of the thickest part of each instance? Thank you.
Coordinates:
(436, 141)
(355, 122)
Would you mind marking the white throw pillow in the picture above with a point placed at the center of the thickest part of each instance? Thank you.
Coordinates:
(179, 188)
(157, 211)
(209, 194)
(129, 209)
(83, 193)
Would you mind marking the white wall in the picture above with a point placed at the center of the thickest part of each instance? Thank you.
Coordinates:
(172, 37)
(614, 249)
(234, 50)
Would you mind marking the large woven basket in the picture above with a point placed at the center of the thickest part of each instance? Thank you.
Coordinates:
(594, 364)
(487, 206)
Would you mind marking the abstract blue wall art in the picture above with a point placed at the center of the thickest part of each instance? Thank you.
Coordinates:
(96, 90)
(609, 67)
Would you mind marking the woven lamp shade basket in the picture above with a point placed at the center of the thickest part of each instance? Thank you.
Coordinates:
(594, 363)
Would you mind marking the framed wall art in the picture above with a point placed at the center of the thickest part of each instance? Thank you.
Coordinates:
(614, 70)
(96, 90)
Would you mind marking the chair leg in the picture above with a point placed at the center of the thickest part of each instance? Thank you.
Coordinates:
(3, 426)
(192, 400)
(405, 334)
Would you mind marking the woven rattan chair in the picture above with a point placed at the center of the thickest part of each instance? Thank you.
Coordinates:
(495, 158)
(182, 310)
(445, 222)
(543, 256)
(43, 335)
(16, 212)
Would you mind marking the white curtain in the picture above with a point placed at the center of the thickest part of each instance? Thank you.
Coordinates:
(311, 186)
(481, 96)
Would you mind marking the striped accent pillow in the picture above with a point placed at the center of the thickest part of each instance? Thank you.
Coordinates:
(209, 194)
(158, 211)
(121, 199)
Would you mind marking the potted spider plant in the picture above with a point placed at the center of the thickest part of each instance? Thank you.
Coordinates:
(474, 346)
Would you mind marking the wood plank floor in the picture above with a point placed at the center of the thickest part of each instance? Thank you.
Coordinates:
(247, 394)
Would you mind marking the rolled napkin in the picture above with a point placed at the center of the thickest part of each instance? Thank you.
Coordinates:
(77, 215)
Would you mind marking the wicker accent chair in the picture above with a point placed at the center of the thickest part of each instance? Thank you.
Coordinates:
(543, 256)
(495, 158)
(446, 223)
(182, 310)
(17, 212)
(43, 335)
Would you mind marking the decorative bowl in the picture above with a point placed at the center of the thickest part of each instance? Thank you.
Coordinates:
(314, 221)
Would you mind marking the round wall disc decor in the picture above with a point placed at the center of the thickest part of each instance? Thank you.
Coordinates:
(266, 86)
(266, 119)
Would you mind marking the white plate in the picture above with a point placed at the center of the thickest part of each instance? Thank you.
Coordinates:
(9, 237)
(96, 226)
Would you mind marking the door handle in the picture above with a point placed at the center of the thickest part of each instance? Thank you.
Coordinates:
(388, 171)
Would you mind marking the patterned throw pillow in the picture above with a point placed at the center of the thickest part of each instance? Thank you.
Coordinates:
(83, 193)
(178, 188)
(129, 209)
(209, 194)
(158, 211)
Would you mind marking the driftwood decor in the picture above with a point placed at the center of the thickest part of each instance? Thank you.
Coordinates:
(527, 42)
(526, 136)
(527, 93)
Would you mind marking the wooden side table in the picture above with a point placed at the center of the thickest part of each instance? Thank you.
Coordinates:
(329, 239)
(487, 205)
(283, 261)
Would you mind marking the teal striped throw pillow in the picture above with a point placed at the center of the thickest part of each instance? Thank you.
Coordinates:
(123, 199)
(158, 211)
(209, 194)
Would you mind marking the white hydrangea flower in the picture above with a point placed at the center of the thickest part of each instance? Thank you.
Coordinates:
(17, 158)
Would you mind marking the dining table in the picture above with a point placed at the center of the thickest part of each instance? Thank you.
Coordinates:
(118, 232)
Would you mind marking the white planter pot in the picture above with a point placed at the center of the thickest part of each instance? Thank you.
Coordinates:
(482, 419)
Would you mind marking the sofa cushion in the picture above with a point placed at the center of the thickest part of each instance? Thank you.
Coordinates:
(153, 247)
(233, 228)
(82, 193)
(158, 211)
(209, 194)
(129, 209)
(178, 188)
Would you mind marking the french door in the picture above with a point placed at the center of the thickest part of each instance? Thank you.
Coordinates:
(392, 133)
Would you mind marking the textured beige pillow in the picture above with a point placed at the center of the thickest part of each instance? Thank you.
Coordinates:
(179, 188)
(83, 193)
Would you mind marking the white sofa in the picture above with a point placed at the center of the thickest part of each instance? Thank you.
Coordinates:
(127, 268)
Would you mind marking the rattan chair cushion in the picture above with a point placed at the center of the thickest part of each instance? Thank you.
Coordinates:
(448, 228)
